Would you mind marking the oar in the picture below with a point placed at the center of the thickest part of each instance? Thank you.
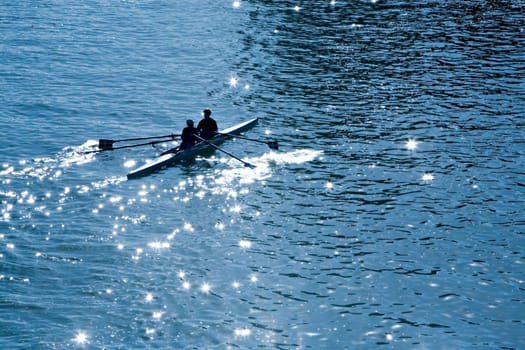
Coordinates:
(108, 144)
(271, 144)
(122, 147)
(246, 164)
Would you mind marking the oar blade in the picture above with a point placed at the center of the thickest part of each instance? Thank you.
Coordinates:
(105, 144)
(248, 165)
(273, 145)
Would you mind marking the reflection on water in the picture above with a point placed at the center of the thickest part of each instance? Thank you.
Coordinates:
(392, 215)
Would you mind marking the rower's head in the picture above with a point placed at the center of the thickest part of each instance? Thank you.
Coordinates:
(189, 122)
(206, 113)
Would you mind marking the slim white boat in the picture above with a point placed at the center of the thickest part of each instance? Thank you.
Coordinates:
(165, 160)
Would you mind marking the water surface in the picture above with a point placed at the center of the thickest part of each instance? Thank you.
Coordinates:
(390, 217)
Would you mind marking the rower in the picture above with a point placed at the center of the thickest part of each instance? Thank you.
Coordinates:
(207, 126)
(188, 135)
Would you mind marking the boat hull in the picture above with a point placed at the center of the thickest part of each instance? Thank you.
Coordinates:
(171, 158)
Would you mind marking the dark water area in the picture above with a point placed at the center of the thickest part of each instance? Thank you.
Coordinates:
(390, 217)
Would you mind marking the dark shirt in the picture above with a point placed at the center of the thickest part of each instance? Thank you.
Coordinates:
(207, 128)
(188, 137)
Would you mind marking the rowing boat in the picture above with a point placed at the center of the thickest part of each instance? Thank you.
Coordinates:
(165, 160)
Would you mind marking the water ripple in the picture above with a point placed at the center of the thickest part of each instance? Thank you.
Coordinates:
(390, 216)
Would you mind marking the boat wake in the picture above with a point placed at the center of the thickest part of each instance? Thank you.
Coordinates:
(265, 165)
(294, 157)
(52, 168)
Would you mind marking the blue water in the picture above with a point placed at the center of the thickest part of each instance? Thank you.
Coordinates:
(392, 216)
